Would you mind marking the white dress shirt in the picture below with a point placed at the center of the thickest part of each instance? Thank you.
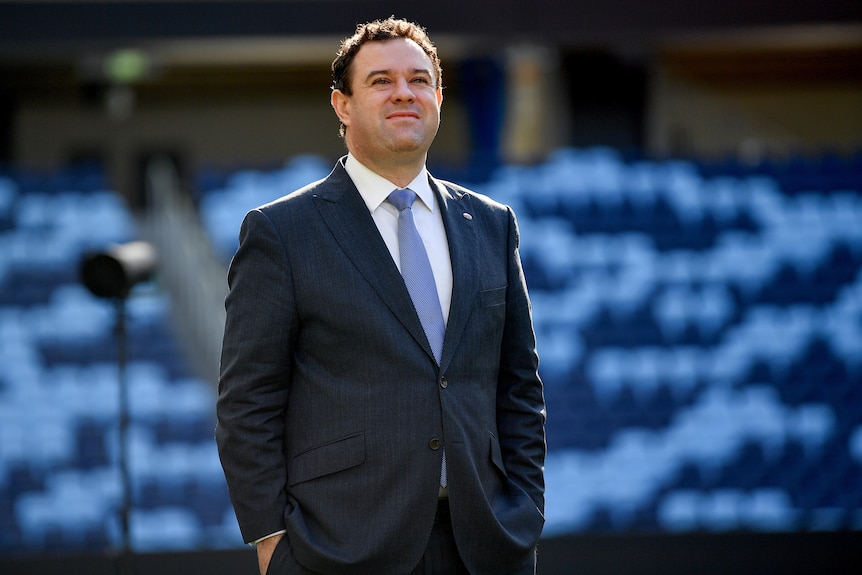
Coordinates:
(374, 190)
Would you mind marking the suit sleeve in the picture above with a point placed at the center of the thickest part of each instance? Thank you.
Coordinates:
(253, 383)
(520, 396)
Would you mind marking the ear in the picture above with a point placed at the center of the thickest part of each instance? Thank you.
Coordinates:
(341, 104)
(439, 97)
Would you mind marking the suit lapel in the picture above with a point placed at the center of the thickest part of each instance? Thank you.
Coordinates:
(457, 214)
(346, 215)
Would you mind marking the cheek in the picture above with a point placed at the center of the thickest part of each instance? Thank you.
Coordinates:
(434, 105)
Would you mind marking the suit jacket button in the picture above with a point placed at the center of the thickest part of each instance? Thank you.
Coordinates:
(434, 444)
(443, 383)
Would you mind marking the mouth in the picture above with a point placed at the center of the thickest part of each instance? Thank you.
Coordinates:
(401, 115)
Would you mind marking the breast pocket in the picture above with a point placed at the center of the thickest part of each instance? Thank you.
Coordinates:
(492, 297)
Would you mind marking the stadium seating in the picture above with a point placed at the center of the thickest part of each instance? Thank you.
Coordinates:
(699, 327)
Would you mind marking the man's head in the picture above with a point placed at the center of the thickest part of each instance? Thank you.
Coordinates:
(380, 30)
(386, 92)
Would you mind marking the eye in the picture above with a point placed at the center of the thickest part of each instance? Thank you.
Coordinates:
(421, 80)
(380, 80)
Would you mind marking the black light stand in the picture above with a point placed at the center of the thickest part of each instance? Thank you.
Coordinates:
(111, 275)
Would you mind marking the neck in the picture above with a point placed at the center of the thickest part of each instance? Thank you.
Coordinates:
(399, 171)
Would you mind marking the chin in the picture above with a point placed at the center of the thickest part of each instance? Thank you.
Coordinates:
(404, 144)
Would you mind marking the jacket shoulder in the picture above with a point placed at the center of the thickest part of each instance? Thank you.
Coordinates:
(294, 199)
(478, 200)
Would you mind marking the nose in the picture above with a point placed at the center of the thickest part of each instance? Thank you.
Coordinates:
(403, 91)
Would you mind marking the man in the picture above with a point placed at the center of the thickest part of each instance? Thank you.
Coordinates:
(355, 437)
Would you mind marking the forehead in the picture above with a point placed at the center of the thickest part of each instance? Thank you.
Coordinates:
(391, 55)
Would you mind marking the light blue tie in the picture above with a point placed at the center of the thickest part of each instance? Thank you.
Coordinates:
(416, 271)
(417, 274)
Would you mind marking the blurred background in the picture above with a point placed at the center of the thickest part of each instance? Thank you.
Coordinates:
(688, 182)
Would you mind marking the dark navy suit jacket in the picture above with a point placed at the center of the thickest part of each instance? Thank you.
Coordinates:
(332, 410)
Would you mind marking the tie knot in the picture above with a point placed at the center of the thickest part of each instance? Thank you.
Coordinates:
(402, 199)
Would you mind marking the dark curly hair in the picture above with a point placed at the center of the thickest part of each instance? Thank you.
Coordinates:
(379, 31)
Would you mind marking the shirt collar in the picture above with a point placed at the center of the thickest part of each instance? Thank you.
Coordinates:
(374, 188)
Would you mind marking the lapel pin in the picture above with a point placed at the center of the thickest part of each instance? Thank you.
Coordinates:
(467, 216)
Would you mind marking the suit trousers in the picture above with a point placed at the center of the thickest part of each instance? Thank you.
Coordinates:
(441, 555)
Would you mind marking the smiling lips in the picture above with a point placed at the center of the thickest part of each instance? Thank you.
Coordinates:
(405, 114)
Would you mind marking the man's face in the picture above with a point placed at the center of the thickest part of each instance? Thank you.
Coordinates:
(395, 106)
